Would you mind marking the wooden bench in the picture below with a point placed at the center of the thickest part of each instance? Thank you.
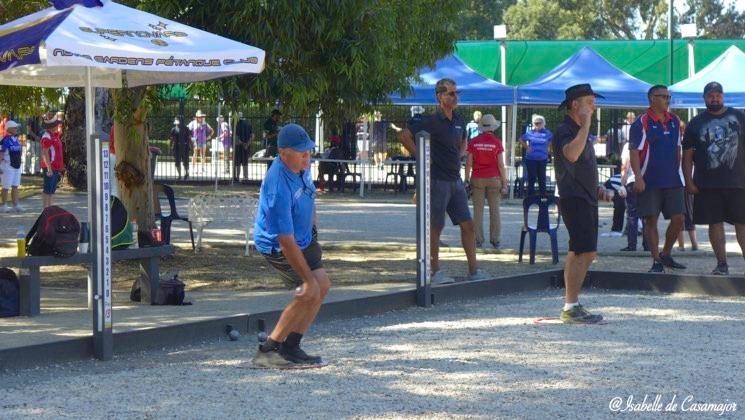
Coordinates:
(30, 302)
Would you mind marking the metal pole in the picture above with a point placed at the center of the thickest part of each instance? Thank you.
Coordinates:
(217, 143)
(514, 147)
(423, 221)
(503, 79)
(98, 217)
(670, 37)
(691, 69)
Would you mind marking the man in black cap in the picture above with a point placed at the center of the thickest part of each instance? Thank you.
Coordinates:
(714, 143)
(577, 179)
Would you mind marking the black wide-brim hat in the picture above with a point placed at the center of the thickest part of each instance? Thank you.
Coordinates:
(578, 91)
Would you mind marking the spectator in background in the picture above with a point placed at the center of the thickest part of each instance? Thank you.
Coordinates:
(3, 122)
(379, 143)
(32, 164)
(615, 185)
(688, 225)
(202, 132)
(472, 128)
(52, 162)
(626, 127)
(181, 147)
(632, 217)
(10, 166)
(487, 177)
(225, 135)
(271, 129)
(536, 143)
(244, 137)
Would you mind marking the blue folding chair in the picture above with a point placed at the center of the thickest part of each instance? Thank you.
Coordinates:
(542, 225)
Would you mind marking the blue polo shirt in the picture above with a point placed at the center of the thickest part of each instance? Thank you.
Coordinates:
(446, 137)
(285, 207)
(658, 142)
(539, 141)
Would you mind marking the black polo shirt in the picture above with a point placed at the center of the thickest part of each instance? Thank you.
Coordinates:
(446, 136)
(578, 179)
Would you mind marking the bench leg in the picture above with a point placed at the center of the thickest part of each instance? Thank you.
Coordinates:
(150, 270)
(248, 236)
(30, 293)
(200, 229)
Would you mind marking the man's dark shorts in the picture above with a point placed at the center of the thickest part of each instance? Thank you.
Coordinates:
(312, 254)
(449, 197)
(669, 201)
(51, 182)
(717, 205)
(581, 220)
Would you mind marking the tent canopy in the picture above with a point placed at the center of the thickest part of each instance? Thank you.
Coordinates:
(53, 48)
(586, 66)
(727, 69)
(475, 89)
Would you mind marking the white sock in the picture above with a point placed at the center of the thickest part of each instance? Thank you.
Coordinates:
(568, 306)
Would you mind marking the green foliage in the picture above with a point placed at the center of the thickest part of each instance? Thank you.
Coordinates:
(339, 56)
(21, 100)
(477, 19)
(715, 20)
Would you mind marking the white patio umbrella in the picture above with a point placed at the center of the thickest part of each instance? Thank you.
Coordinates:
(92, 43)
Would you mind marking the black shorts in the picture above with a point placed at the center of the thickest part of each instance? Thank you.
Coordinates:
(292, 279)
(717, 205)
(581, 219)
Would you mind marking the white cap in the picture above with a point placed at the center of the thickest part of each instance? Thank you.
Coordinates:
(11, 124)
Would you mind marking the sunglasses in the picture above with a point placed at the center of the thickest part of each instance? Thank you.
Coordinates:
(451, 93)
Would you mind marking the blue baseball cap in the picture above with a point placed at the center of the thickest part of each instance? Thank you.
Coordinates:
(294, 136)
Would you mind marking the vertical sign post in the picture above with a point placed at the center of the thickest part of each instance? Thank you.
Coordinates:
(100, 245)
(423, 221)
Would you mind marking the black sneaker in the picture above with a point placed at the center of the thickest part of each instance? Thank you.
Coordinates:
(297, 355)
(628, 249)
(668, 261)
(272, 360)
(657, 267)
(721, 270)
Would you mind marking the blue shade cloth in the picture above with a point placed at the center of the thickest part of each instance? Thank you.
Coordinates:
(727, 69)
(21, 47)
(475, 89)
(586, 66)
(64, 4)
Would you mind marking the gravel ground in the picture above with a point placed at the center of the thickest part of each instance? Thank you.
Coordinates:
(476, 359)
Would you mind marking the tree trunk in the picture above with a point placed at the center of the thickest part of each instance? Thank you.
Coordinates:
(133, 161)
(73, 140)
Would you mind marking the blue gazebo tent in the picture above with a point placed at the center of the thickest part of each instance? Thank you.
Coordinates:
(727, 69)
(475, 89)
(586, 66)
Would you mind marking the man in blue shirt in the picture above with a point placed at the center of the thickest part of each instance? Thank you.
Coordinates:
(447, 131)
(655, 155)
(285, 234)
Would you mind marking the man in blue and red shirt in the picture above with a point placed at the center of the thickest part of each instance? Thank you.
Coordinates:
(655, 154)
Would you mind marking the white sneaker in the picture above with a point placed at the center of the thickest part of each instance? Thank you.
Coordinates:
(6, 208)
(18, 208)
(615, 234)
(479, 274)
(441, 278)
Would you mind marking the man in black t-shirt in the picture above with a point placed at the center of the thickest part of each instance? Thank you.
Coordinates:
(447, 131)
(714, 143)
(577, 179)
(243, 138)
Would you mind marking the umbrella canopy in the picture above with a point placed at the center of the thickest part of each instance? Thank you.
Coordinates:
(94, 43)
(586, 66)
(52, 48)
(475, 89)
(727, 69)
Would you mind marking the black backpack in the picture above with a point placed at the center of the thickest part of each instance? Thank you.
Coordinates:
(10, 293)
(55, 233)
(170, 292)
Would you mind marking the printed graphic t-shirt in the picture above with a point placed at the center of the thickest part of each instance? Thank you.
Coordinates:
(718, 142)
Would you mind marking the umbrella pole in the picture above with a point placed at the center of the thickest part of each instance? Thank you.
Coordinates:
(99, 275)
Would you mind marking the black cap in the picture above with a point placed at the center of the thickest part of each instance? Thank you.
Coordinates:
(578, 91)
(713, 87)
(276, 112)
